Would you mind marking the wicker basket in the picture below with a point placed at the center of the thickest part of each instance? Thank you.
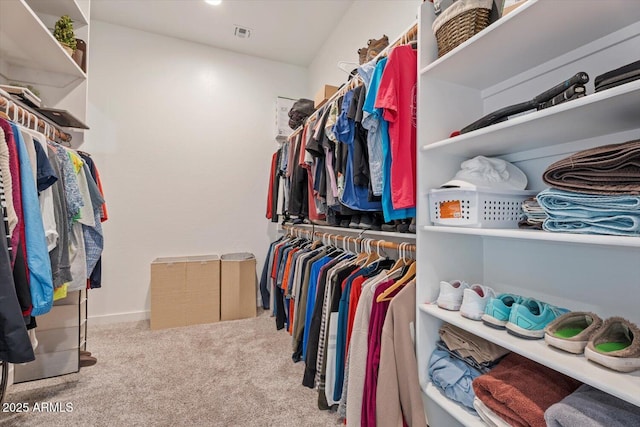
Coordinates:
(460, 22)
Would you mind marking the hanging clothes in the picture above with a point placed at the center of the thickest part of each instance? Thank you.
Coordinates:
(397, 97)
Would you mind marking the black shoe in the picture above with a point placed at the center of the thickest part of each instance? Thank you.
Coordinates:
(345, 223)
(403, 227)
(412, 226)
(355, 221)
(365, 222)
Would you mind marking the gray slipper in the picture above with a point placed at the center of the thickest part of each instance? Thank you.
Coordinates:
(572, 331)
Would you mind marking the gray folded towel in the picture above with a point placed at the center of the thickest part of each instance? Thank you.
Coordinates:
(590, 407)
(610, 169)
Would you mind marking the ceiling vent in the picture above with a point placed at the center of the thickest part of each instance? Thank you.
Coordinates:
(242, 32)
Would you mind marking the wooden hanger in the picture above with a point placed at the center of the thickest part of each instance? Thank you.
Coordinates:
(402, 261)
(386, 295)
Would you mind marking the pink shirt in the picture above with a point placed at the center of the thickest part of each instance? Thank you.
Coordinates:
(397, 98)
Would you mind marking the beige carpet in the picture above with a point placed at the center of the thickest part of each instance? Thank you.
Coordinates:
(236, 373)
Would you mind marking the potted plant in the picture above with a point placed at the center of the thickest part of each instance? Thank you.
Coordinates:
(63, 32)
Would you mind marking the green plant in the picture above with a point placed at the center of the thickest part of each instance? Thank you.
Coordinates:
(63, 32)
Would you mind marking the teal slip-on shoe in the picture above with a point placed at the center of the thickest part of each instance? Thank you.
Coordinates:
(529, 318)
(498, 309)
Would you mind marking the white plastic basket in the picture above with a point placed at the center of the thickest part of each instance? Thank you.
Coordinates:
(477, 208)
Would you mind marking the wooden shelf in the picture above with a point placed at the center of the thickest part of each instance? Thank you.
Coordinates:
(584, 239)
(506, 48)
(623, 385)
(610, 111)
(58, 8)
(29, 52)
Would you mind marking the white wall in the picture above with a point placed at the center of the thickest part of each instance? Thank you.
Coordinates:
(182, 136)
(365, 19)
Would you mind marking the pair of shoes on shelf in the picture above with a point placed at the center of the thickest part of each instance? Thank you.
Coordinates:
(522, 317)
(614, 343)
(470, 300)
(412, 226)
(366, 222)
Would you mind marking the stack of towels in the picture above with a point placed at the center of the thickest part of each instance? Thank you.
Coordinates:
(595, 191)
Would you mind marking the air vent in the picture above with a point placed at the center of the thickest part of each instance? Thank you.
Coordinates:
(242, 32)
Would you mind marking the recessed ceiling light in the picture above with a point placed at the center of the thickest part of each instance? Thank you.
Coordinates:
(213, 2)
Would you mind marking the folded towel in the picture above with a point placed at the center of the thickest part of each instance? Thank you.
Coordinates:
(488, 416)
(590, 213)
(610, 169)
(469, 345)
(519, 390)
(589, 407)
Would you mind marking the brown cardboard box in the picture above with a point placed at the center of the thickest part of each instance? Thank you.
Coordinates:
(238, 286)
(511, 7)
(185, 291)
(323, 95)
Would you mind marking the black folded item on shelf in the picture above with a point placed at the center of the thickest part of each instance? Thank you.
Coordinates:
(573, 92)
(622, 75)
(503, 114)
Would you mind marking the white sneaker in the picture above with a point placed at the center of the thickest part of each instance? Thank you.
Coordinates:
(450, 297)
(474, 301)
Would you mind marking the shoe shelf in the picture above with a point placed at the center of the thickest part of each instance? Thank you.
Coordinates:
(462, 415)
(623, 385)
(586, 239)
(562, 26)
(610, 111)
(29, 52)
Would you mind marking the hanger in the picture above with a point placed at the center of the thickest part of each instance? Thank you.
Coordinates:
(402, 260)
(342, 65)
(373, 256)
(386, 295)
(5, 114)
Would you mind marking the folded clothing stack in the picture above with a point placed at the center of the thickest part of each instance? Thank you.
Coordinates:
(595, 191)
(520, 390)
(590, 407)
(534, 215)
(458, 359)
(590, 213)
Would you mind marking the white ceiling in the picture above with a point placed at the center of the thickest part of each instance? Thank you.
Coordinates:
(290, 31)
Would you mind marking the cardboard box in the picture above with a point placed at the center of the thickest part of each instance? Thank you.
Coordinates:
(510, 6)
(238, 282)
(324, 94)
(185, 291)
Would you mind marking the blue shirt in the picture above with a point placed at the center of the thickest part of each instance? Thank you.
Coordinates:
(379, 133)
(311, 299)
(38, 262)
(453, 377)
(354, 196)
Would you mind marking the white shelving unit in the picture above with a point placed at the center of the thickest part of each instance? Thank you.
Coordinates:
(533, 48)
(29, 54)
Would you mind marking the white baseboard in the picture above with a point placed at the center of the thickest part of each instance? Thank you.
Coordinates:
(106, 319)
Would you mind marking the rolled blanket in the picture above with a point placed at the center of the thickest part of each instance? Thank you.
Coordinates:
(589, 407)
(519, 390)
(610, 169)
(590, 213)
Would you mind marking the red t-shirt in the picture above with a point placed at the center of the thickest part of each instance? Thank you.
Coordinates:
(397, 98)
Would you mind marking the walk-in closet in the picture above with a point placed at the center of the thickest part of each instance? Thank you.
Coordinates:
(319, 212)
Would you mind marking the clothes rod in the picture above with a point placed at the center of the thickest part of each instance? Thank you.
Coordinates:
(331, 236)
(26, 117)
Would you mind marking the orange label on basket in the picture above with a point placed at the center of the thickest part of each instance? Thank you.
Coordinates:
(450, 209)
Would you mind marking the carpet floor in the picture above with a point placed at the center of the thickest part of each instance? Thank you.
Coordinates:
(235, 373)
